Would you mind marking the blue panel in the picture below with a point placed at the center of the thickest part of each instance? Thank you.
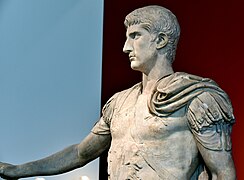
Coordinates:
(50, 77)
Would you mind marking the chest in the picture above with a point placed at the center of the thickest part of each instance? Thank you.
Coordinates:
(132, 119)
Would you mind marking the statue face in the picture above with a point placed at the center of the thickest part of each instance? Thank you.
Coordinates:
(141, 47)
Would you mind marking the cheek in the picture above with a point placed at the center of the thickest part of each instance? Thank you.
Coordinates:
(141, 48)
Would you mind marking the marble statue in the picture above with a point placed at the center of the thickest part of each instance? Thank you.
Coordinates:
(172, 125)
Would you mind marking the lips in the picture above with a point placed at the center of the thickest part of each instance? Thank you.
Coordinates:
(131, 57)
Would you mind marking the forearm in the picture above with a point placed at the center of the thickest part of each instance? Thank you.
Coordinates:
(58, 163)
(66, 160)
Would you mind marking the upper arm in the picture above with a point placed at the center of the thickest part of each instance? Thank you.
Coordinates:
(100, 137)
(219, 163)
(211, 118)
(93, 146)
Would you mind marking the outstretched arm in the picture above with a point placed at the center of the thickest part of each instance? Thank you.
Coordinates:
(66, 160)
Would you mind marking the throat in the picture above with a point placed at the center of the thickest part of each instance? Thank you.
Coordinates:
(147, 87)
(148, 84)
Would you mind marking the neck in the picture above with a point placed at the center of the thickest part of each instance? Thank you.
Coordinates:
(159, 71)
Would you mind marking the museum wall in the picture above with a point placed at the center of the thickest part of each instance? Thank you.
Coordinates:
(211, 46)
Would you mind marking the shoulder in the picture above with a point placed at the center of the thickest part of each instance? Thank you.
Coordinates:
(122, 94)
(209, 108)
(210, 117)
(109, 107)
(177, 90)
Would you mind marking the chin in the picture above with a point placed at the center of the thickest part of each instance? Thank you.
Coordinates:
(134, 67)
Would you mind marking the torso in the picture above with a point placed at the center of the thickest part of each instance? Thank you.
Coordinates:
(145, 146)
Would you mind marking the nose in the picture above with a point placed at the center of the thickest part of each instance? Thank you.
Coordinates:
(127, 46)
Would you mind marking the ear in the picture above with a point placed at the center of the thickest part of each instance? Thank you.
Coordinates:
(162, 40)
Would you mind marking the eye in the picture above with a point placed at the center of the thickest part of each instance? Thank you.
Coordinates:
(135, 35)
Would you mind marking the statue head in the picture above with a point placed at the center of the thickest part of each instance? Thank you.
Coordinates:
(157, 19)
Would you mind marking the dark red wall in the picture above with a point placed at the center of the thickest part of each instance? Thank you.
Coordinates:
(211, 45)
